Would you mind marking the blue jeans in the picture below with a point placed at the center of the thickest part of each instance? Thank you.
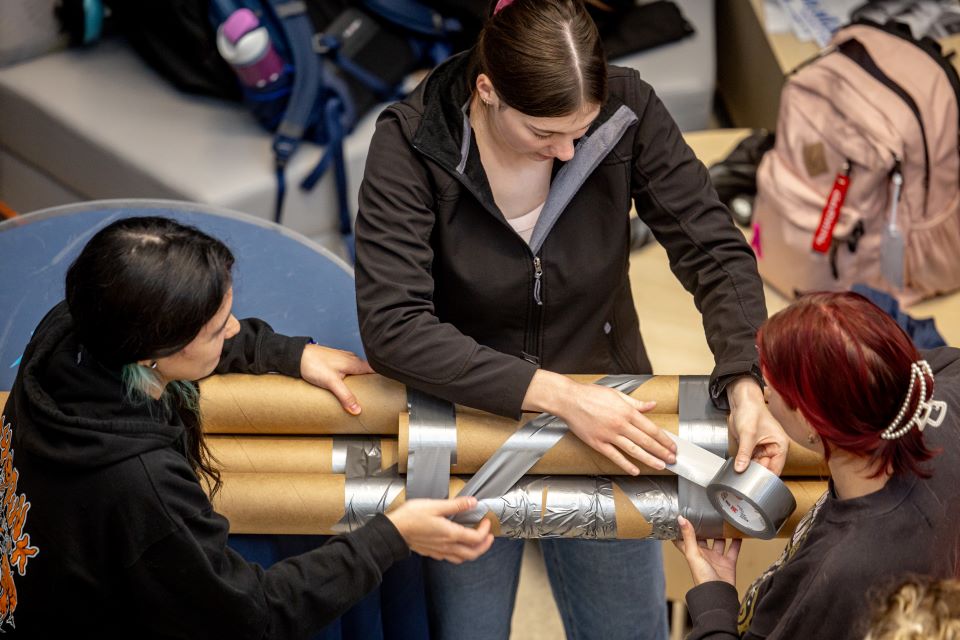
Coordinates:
(606, 589)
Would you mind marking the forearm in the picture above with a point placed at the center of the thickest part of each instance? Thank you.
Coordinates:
(713, 608)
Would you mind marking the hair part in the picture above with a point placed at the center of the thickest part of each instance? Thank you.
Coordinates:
(846, 366)
(544, 57)
(143, 288)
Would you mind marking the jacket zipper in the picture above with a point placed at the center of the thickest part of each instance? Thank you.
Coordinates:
(531, 338)
(856, 52)
(537, 274)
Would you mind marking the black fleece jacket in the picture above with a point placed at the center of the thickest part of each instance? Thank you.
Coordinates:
(852, 552)
(118, 539)
(451, 300)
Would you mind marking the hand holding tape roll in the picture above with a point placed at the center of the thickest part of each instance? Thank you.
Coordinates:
(756, 501)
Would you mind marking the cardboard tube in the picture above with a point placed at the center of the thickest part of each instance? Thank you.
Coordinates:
(312, 503)
(284, 454)
(273, 404)
(281, 503)
(479, 435)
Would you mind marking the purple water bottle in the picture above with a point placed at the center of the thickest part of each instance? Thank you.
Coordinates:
(246, 46)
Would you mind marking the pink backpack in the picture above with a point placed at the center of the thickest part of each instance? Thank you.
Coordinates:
(863, 183)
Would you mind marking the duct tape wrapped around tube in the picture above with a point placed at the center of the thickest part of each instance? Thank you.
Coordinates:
(702, 424)
(523, 450)
(576, 506)
(368, 489)
(294, 454)
(431, 445)
(557, 507)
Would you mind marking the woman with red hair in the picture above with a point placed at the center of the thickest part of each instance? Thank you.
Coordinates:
(845, 381)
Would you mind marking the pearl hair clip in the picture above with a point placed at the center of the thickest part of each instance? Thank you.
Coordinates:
(924, 415)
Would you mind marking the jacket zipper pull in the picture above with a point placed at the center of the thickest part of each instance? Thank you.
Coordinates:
(537, 274)
(823, 236)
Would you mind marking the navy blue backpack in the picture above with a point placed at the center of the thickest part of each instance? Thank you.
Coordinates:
(305, 85)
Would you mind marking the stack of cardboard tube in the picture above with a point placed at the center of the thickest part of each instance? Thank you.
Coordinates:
(282, 447)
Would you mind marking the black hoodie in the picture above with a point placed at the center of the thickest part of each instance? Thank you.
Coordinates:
(107, 531)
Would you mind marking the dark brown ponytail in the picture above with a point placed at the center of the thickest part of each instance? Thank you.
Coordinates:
(544, 57)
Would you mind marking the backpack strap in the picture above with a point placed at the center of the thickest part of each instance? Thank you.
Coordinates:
(307, 82)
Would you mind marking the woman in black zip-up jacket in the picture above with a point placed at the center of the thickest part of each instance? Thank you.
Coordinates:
(106, 529)
(492, 256)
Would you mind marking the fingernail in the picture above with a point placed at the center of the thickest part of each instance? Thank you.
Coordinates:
(661, 464)
(650, 404)
(634, 471)
(355, 409)
(673, 459)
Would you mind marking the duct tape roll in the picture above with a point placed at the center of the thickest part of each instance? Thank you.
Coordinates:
(756, 501)
(524, 449)
(368, 489)
(432, 445)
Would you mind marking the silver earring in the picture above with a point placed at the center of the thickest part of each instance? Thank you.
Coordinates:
(812, 438)
(153, 365)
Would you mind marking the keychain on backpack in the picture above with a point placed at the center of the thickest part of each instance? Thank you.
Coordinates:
(823, 236)
(892, 245)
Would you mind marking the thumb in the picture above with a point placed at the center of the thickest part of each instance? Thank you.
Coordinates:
(744, 453)
(348, 401)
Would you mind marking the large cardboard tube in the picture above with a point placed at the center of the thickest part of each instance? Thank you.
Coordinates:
(312, 503)
(480, 434)
(273, 404)
(286, 454)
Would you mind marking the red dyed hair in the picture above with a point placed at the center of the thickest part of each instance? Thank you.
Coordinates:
(845, 364)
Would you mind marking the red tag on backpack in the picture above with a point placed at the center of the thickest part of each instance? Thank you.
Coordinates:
(823, 236)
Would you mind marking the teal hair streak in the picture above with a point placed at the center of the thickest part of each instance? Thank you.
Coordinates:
(140, 385)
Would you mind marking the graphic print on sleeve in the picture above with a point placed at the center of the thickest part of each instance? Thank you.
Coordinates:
(15, 549)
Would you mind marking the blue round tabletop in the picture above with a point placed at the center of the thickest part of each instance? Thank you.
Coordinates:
(293, 283)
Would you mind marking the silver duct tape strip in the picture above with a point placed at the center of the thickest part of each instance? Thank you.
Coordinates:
(657, 500)
(524, 449)
(368, 489)
(364, 455)
(365, 498)
(700, 421)
(574, 507)
(432, 445)
(705, 426)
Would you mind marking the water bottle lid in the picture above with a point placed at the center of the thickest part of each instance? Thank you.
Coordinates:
(240, 23)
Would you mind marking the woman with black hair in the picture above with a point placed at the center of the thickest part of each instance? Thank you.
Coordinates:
(107, 530)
